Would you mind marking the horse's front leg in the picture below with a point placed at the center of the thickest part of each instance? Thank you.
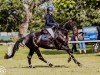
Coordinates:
(66, 48)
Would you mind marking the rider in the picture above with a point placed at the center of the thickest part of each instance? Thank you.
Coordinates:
(49, 21)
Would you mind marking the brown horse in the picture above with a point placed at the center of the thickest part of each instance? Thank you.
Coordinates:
(43, 39)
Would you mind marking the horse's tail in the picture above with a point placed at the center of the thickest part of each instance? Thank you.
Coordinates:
(18, 43)
(15, 48)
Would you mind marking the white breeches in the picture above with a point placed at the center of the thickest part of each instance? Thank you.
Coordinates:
(50, 31)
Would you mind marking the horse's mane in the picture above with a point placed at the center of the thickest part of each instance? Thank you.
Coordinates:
(62, 27)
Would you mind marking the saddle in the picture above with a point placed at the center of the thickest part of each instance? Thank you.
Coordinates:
(45, 38)
(45, 35)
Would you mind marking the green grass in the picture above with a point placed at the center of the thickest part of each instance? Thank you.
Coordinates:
(18, 64)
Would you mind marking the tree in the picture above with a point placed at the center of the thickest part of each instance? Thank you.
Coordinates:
(14, 13)
(11, 14)
(86, 12)
(29, 5)
(17, 13)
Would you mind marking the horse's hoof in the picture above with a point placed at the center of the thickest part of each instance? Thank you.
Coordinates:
(33, 67)
(51, 65)
(69, 59)
(79, 64)
(30, 66)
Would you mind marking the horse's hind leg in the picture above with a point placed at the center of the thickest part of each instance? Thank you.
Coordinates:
(41, 57)
(30, 57)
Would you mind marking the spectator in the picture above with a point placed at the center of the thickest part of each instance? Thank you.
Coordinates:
(98, 38)
(98, 29)
(82, 46)
(74, 48)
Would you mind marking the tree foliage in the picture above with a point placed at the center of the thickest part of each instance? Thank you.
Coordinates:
(86, 12)
(12, 14)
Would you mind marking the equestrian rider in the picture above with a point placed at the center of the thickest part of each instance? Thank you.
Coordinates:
(49, 21)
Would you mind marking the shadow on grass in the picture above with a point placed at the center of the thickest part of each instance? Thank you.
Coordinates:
(44, 66)
(57, 52)
(53, 52)
(88, 51)
(98, 55)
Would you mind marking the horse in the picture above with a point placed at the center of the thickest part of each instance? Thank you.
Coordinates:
(36, 40)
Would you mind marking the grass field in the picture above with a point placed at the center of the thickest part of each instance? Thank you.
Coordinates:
(19, 66)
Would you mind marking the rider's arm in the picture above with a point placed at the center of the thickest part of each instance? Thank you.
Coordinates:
(48, 21)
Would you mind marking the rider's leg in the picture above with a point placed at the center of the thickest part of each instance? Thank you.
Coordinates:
(51, 32)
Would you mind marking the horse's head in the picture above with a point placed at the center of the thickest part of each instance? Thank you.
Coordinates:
(70, 24)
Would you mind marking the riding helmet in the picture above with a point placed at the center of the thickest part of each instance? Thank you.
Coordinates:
(49, 8)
